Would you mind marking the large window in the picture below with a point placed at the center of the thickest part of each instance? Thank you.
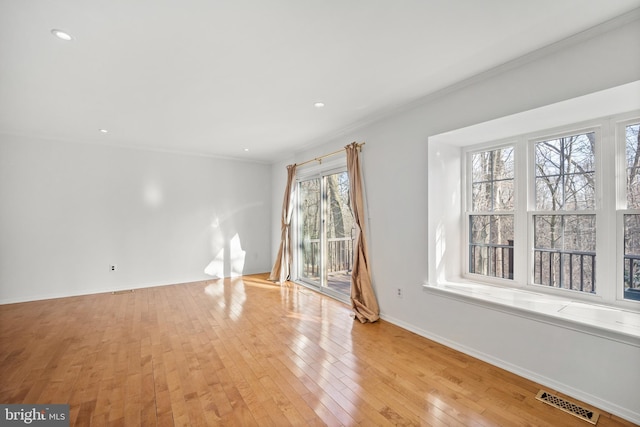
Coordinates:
(542, 210)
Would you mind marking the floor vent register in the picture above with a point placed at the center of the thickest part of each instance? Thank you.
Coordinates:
(567, 406)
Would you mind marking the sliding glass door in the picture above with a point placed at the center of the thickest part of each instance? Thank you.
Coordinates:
(325, 233)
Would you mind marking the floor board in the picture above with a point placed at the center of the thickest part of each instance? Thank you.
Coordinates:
(245, 352)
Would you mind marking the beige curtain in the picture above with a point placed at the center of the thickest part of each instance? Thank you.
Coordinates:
(281, 270)
(363, 300)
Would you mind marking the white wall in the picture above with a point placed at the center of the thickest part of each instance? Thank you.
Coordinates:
(68, 211)
(405, 178)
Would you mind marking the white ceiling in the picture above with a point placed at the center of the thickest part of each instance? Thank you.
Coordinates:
(216, 77)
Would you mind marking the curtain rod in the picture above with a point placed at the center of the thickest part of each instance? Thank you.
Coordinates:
(319, 158)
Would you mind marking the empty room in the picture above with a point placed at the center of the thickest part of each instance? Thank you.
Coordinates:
(305, 213)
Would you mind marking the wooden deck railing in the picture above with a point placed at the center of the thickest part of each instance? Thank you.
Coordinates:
(492, 259)
(565, 269)
(571, 269)
(339, 257)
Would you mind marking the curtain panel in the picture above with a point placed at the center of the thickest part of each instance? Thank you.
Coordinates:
(281, 271)
(363, 299)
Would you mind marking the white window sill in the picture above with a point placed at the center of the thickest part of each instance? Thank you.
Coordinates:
(604, 321)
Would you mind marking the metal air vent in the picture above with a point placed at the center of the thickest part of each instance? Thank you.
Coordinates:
(569, 407)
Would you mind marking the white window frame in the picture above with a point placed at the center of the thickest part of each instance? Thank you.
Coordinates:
(610, 193)
(469, 212)
(621, 201)
(532, 208)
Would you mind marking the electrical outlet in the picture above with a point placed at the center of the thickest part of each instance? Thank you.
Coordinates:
(113, 267)
(399, 292)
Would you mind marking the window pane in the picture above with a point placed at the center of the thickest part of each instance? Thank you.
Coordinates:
(565, 173)
(492, 176)
(633, 166)
(491, 229)
(491, 245)
(632, 257)
(564, 254)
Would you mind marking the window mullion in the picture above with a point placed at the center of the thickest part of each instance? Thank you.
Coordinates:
(606, 217)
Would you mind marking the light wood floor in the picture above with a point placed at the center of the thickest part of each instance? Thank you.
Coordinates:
(246, 352)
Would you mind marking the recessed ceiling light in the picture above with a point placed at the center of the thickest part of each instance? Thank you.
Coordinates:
(246, 149)
(319, 104)
(103, 130)
(62, 35)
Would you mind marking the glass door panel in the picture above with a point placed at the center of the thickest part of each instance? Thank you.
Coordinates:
(309, 209)
(339, 233)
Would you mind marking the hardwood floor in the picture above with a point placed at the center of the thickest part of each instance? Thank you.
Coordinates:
(246, 352)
